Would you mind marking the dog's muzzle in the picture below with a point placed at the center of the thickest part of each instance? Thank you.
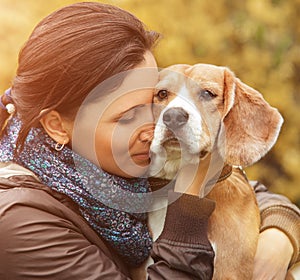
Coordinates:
(175, 118)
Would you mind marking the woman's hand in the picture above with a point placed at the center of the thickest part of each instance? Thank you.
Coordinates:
(273, 255)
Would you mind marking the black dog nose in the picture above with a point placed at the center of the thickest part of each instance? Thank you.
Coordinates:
(175, 118)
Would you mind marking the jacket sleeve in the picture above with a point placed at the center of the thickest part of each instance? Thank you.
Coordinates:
(39, 242)
(277, 211)
(183, 250)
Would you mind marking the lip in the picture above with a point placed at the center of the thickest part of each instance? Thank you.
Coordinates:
(141, 156)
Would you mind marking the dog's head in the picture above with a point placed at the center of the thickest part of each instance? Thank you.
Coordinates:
(203, 107)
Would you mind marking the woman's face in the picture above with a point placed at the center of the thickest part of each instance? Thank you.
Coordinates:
(124, 129)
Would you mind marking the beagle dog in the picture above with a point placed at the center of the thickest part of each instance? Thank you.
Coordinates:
(204, 112)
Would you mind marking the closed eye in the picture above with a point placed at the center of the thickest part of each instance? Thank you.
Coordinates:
(128, 117)
(206, 94)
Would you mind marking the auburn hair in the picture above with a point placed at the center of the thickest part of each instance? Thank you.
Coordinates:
(69, 53)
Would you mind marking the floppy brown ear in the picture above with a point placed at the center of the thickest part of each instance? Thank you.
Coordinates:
(250, 125)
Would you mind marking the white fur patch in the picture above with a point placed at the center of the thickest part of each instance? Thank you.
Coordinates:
(189, 137)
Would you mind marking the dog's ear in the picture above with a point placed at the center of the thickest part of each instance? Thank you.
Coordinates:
(250, 125)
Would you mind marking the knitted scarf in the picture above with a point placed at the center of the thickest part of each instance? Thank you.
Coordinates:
(109, 203)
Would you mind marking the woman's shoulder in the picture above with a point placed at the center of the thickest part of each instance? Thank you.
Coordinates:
(20, 188)
(38, 223)
(23, 186)
(24, 197)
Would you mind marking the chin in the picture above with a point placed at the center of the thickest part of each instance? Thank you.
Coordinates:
(133, 172)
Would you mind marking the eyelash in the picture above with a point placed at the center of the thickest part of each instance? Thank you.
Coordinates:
(206, 94)
(125, 120)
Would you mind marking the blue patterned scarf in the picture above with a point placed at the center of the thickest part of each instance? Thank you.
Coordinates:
(97, 192)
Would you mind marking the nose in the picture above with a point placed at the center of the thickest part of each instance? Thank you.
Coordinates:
(146, 135)
(175, 118)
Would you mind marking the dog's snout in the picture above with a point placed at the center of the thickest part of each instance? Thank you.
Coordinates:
(175, 118)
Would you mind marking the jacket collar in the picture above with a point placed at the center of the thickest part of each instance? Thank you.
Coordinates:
(13, 175)
(8, 169)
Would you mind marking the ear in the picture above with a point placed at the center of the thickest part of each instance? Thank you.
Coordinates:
(250, 125)
(56, 127)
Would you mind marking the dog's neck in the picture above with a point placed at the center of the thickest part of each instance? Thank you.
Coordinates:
(158, 183)
(225, 173)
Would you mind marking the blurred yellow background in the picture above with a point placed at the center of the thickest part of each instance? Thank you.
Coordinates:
(258, 39)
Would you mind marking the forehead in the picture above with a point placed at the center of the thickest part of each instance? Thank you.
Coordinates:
(129, 100)
(171, 78)
(136, 89)
(205, 74)
(193, 78)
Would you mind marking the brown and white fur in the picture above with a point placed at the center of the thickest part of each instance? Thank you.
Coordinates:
(206, 111)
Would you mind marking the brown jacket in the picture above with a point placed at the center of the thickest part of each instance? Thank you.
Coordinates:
(43, 235)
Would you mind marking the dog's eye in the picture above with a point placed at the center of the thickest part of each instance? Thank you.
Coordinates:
(162, 94)
(206, 94)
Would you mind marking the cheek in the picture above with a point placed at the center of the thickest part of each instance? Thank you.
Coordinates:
(121, 136)
(112, 143)
(103, 143)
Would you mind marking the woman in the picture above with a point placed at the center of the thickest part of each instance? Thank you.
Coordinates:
(85, 80)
